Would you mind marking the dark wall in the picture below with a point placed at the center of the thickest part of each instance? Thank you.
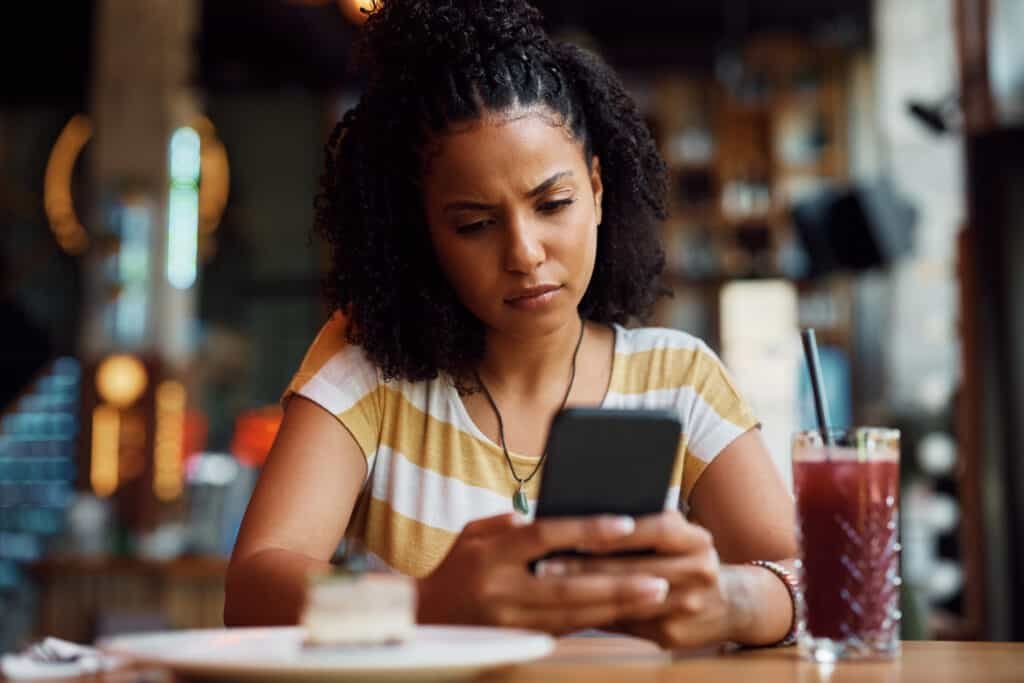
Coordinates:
(996, 181)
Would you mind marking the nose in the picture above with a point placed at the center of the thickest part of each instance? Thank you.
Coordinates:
(524, 246)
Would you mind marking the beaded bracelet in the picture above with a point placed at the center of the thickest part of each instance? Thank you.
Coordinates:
(793, 588)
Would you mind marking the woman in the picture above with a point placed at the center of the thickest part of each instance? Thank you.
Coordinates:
(492, 205)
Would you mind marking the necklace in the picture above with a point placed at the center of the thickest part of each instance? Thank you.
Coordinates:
(519, 501)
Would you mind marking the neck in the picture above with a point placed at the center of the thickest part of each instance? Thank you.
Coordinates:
(529, 367)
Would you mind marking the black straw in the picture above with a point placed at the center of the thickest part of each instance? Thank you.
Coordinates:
(817, 385)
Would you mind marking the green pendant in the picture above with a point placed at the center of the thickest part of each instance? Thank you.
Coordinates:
(520, 503)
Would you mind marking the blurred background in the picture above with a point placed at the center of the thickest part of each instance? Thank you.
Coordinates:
(850, 165)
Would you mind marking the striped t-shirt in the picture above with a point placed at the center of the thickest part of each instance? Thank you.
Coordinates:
(436, 471)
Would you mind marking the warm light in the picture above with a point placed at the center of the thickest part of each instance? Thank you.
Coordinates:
(216, 176)
(356, 11)
(106, 432)
(121, 379)
(168, 475)
(255, 431)
(57, 200)
(204, 151)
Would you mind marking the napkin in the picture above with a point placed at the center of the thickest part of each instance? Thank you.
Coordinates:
(56, 658)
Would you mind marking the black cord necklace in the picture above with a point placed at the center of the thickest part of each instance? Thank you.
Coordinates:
(519, 501)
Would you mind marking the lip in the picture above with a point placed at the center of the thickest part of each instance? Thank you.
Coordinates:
(533, 297)
(532, 292)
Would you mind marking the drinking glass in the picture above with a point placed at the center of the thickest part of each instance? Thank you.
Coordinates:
(847, 497)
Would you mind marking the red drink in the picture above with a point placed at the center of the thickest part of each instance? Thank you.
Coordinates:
(847, 507)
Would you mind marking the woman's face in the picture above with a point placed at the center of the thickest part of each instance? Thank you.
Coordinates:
(513, 213)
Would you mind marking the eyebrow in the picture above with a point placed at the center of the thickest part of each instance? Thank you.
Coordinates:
(540, 189)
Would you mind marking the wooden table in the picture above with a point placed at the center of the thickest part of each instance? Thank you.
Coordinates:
(597, 660)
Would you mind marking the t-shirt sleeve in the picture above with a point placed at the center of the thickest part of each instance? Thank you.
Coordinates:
(714, 415)
(338, 377)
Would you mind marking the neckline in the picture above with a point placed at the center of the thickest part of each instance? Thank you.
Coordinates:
(470, 426)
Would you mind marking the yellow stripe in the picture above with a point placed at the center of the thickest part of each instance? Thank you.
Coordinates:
(441, 447)
(677, 468)
(692, 469)
(409, 546)
(363, 421)
(642, 371)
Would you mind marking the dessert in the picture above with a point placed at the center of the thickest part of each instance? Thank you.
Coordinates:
(359, 608)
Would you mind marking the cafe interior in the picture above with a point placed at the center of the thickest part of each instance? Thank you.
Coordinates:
(852, 166)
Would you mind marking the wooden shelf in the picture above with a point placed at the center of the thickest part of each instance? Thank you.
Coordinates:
(753, 142)
(78, 593)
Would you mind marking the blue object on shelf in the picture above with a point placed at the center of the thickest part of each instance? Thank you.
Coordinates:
(835, 373)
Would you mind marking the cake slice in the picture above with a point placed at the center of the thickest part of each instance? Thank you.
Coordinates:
(359, 608)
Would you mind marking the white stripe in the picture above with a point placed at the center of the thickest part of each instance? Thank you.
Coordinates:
(653, 398)
(642, 339)
(431, 498)
(707, 432)
(342, 382)
(333, 399)
(672, 499)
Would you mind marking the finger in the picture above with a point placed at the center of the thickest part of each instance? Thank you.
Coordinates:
(486, 526)
(581, 591)
(680, 570)
(546, 535)
(667, 533)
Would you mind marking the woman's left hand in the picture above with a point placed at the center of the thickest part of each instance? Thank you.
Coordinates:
(699, 609)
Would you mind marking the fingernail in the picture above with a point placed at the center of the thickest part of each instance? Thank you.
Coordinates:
(656, 588)
(622, 525)
(551, 568)
(520, 520)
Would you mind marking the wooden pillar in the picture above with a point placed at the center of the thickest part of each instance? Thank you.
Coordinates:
(140, 97)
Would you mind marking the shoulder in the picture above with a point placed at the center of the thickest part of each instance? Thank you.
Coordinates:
(649, 358)
(334, 372)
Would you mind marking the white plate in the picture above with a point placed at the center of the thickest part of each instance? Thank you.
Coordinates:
(245, 653)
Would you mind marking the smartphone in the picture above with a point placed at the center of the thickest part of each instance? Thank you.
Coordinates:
(608, 461)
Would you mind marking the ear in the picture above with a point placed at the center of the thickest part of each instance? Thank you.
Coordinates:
(596, 186)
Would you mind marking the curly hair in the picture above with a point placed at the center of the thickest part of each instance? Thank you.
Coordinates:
(432, 64)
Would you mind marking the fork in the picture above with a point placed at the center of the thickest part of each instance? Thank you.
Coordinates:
(56, 651)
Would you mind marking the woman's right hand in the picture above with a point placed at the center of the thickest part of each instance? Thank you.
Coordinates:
(485, 578)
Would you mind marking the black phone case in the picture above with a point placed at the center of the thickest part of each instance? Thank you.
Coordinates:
(608, 461)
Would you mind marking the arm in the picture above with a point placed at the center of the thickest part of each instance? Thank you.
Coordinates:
(741, 500)
(296, 517)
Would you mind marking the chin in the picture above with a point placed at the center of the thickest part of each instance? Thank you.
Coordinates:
(537, 324)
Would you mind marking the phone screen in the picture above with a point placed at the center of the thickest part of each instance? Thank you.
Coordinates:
(608, 461)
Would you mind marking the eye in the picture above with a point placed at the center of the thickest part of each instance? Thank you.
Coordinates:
(470, 228)
(555, 205)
